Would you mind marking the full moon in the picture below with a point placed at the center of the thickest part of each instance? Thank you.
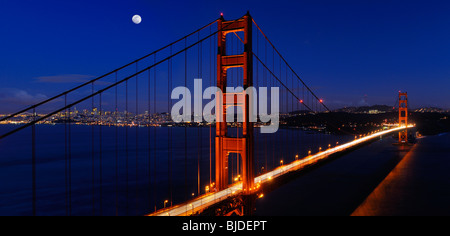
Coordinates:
(137, 19)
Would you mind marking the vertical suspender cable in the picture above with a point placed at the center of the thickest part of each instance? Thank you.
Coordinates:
(257, 79)
(33, 163)
(101, 156)
(266, 84)
(294, 150)
(137, 139)
(210, 125)
(66, 157)
(169, 87)
(154, 134)
(236, 84)
(127, 124)
(273, 83)
(70, 165)
(116, 111)
(149, 122)
(185, 126)
(93, 152)
(199, 125)
(297, 127)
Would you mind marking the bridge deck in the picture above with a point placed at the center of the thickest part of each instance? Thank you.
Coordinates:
(210, 199)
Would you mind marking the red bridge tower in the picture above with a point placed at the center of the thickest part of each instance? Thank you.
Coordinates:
(403, 117)
(226, 145)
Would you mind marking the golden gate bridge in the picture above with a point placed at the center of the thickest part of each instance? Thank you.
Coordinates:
(135, 161)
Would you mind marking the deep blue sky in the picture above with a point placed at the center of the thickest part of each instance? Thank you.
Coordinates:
(349, 52)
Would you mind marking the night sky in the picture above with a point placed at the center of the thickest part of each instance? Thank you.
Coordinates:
(350, 53)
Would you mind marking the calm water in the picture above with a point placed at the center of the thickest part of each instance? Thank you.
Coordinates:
(90, 176)
(418, 186)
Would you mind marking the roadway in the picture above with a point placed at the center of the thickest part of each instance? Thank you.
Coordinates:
(207, 200)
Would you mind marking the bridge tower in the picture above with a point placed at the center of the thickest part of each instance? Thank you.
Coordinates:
(226, 145)
(403, 117)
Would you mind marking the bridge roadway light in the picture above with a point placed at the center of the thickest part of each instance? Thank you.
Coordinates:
(165, 202)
